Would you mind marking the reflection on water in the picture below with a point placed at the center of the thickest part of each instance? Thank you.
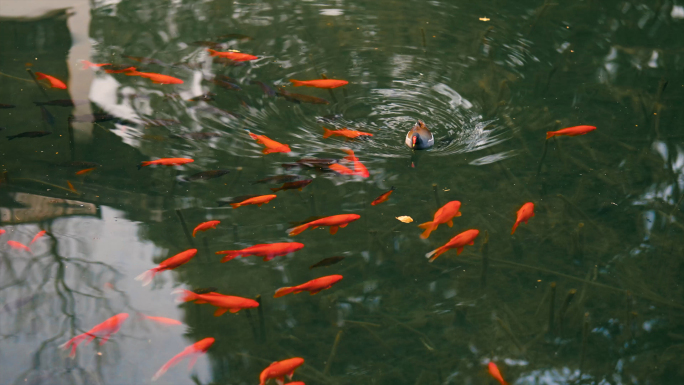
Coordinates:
(588, 289)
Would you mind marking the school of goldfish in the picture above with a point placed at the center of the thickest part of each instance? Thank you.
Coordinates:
(349, 165)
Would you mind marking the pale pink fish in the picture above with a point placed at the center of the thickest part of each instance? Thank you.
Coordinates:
(103, 331)
(193, 351)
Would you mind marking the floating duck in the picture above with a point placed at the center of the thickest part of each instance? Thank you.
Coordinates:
(419, 137)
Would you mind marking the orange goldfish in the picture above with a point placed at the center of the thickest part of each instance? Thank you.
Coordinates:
(166, 162)
(349, 134)
(279, 369)
(86, 171)
(266, 250)
(156, 78)
(359, 168)
(271, 145)
(383, 198)
(458, 242)
(18, 246)
(87, 64)
(445, 214)
(103, 330)
(71, 187)
(121, 70)
(570, 131)
(319, 83)
(340, 169)
(162, 320)
(224, 303)
(313, 287)
(204, 226)
(54, 82)
(35, 238)
(234, 56)
(168, 264)
(335, 222)
(2, 231)
(524, 214)
(193, 351)
(258, 200)
(494, 371)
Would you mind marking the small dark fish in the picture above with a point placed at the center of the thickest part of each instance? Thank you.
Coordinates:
(205, 175)
(47, 116)
(205, 290)
(307, 220)
(235, 36)
(2, 105)
(58, 103)
(278, 179)
(297, 98)
(145, 60)
(299, 185)
(160, 122)
(29, 134)
(209, 96)
(226, 84)
(268, 90)
(197, 135)
(92, 118)
(327, 262)
(226, 201)
(318, 163)
(81, 164)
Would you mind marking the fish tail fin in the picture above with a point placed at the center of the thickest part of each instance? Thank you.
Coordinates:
(296, 83)
(283, 291)
(351, 157)
(185, 295)
(73, 343)
(147, 276)
(434, 254)
(143, 164)
(10, 137)
(212, 52)
(515, 226)
(327, 133)
(550, 134)
(229, 255)
(235, 205)
(275, 189)
(298, 229)
(428, 229)
(40, 76)
(39, 103)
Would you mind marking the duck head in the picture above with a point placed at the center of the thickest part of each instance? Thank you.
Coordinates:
(419, 137)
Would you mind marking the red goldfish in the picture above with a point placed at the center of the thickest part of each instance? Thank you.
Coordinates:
(121, 70)
(444, 215)
(87, 64)
(313, 286)
(234, 56)
(168, 264)
(54, 82)
(35, 238)
(166, 162)
(340, 169)
(570, 131)
(335, 222)
(224, 303)
(271, 145)
(494, 371)
(193, 351)
(2, 231)
(383, 198)
(279, 369)
(204, 226)
(86, 171)
(162, 320)
(18, 246)
(349, 134)
(319, 83)
(359, 168)
(266, 250)
(525, 213)
(103, 330)
(458, 242)
(258, 200)
(156, 78)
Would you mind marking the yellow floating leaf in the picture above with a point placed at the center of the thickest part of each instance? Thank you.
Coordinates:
(405, 219)
(484, 19)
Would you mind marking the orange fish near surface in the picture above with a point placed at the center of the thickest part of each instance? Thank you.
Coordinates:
(359, 168)
(383, 198)
(271, 145)
(266, 250)
(156, 78)
(279, 369)
(313, 287)
(259, 200)
(319, 83)
(162, 320)
(37, 236)
(570, 131)
(224, 303)
(234, 56)
(444, 215)
(87, 64)
(86, 171)
(168, 264)
(103, 330)
(349, 134)
(193, 351)
(340, 169)
(204, 226)
(120, 71)
(524, 214)
(166, 162)
(54, 82)
(18, 246)
(335, 222)
(2, 231)
(494, 372)
(458, 242)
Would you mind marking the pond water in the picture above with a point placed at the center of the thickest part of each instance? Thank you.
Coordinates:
(588, 291)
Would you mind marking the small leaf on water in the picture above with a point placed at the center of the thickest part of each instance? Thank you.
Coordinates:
(405, 219)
